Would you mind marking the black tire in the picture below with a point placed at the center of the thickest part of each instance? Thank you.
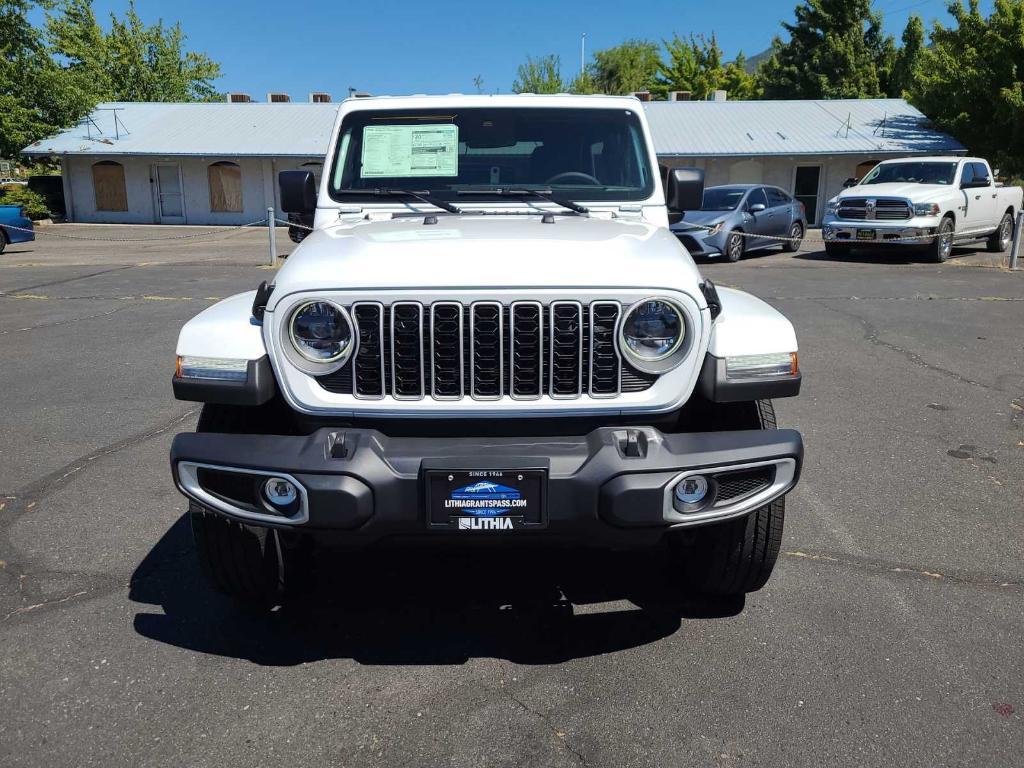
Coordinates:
(1003, 236)
(735, 245)
(796, 233)
(244, 562)
(3, 240)
(736, 556)
(257, 567)
(941, 245)
(837, 250)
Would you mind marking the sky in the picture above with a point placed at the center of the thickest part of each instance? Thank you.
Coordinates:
(403, 47)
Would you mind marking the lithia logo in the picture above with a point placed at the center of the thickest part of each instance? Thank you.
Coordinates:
(485, 523)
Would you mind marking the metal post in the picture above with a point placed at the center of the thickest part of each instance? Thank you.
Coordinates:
(272, 234)
(1018, 235)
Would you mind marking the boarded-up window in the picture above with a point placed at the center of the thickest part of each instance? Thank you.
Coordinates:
(108, 183)
(225, 187)
(863, 168)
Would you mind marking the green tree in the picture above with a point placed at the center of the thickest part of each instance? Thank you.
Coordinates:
(631, 66)
(970, 81)
(695, 65)
(836, 49)
(908, 58)
(540, 75)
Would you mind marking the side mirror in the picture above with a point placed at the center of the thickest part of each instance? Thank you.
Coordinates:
(756, 208)
(974, 183)
(298, 191)
(685, 189)
(850, 182)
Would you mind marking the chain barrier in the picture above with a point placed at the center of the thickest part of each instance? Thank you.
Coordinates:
(818, 238)
(286, 223)
(222, 231)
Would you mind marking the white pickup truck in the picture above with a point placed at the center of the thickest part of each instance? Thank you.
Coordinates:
(929, 202)
(491, 338)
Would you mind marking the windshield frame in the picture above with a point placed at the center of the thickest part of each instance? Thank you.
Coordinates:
(463, 192)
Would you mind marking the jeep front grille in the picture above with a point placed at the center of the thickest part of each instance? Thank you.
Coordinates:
(486, 350)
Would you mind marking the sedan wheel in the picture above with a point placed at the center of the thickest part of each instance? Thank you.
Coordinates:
(734, 247)
(796, 235)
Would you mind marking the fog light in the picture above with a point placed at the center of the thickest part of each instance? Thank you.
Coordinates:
(690, 493)
(281, 493)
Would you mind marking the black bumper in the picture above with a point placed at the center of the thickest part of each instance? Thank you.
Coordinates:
(605, 487)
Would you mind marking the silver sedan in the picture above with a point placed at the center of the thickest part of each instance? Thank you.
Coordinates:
(731, 213)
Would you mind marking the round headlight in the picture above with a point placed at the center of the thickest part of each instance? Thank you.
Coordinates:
(652, 330)
(321, 332)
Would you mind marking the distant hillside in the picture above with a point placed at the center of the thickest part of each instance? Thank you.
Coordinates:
(753, 62)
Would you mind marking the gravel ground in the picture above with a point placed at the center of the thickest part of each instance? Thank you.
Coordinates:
(891, 632)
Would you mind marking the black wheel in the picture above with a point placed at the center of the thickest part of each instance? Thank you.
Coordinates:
(941, 245)
(255, 566)
(837, 250)
(734, 246)
(244, 562)
(3, 240)
(796, 235)
(736, 556)
(1000, 239)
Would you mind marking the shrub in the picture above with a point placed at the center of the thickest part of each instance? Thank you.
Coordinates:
(33, 203)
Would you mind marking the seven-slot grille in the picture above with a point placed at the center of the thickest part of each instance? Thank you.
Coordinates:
(486, 350)
(869, 208)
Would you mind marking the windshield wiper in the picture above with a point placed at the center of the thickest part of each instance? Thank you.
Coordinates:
(422, 196)
(543, 194)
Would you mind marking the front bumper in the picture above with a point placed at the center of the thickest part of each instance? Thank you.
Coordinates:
(911, 232)
(613, 486)
(700, 242)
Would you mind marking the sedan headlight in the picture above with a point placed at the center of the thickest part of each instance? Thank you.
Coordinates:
(321, 333)
(652, 335)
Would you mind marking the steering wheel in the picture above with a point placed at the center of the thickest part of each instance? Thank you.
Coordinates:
(566, 175)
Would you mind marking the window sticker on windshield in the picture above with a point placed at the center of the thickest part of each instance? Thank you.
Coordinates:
(391, 151)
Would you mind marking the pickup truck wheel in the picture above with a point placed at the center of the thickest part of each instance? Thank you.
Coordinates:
(796, 234)
(942, 243)
(736, 556)
(734, 246)
(1000, 239)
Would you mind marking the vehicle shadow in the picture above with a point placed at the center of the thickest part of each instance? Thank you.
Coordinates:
(419, 607)
(890, 256)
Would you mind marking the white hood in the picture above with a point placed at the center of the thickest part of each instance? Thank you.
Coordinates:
(895, 189)
(462, 252)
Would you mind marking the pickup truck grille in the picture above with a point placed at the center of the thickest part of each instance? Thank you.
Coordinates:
(870, 208)
(486, 350)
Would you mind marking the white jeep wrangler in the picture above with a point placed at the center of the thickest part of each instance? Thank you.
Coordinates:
(491, 336)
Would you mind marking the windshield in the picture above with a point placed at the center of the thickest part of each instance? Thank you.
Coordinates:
(914, 173)
(581, 154)
(722, 198)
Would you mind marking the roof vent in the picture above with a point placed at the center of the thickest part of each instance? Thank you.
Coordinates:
(718, 96)
(319, 97)
(679, 95)
(278, 98)
(237, 98)
(643, 95)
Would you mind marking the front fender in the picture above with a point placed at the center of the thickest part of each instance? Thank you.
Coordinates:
(747, 326)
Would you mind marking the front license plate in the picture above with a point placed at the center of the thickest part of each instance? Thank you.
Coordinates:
(486, 499)
(866, 234)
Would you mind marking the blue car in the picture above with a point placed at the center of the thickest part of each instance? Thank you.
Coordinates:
(733, 211)
(14, 216)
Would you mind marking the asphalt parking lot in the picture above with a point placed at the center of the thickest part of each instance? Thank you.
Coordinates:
(891, 633)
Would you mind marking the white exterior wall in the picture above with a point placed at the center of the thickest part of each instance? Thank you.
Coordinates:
(259, 188)
(777, 171)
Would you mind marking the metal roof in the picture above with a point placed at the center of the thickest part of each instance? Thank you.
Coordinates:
(682, 128)
(144, 128)
(811, 127)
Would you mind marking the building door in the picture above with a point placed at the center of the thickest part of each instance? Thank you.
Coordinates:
(170, 202)
(806, 182)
